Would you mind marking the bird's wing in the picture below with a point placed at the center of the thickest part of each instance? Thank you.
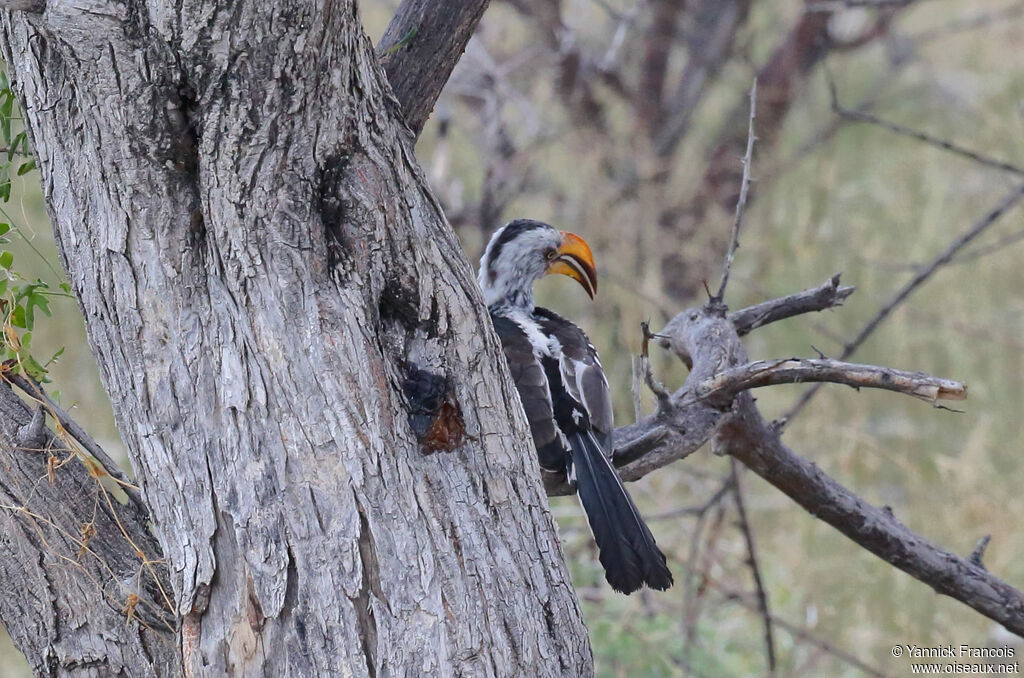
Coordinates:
(532, 384)
(581, 372)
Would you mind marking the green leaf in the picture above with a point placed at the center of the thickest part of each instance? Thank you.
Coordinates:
(39, 301)
(26, 341)
(4, 228)
(6, 259)
(33, 368)
(13, 149)
(18, 316)
(54, 358)
(6, 109)
(66, 287)
(5, 191)
(3, 287)
(26, 167)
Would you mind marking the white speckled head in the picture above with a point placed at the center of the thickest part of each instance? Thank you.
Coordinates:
(518, 254)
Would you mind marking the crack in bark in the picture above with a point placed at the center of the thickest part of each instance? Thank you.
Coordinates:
(361, 602)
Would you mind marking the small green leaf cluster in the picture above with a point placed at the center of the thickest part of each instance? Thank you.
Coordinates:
(15, 155)
(20, 298)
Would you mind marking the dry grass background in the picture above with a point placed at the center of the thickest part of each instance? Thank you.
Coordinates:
(866, 204)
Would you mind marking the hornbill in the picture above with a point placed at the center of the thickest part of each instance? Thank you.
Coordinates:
(564, 392)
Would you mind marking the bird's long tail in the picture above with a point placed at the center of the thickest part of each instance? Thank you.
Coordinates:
(627, 549)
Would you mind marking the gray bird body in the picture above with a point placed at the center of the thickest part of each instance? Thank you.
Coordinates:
(565, 395)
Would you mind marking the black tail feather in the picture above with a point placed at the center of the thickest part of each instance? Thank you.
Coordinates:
(626, 546)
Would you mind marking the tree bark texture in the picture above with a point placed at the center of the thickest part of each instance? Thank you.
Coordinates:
(263, 272)
(420, 48)
(68, 565)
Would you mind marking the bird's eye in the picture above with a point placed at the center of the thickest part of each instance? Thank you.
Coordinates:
(551, 254)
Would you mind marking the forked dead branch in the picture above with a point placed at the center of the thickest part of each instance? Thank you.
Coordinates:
(699, 412)
(713, 404)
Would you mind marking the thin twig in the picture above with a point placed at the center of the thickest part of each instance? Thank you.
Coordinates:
(969, 23)
(695, 584)
(978, 554)
(35, 390)
(802, 633)
(698, 511)
(741, 202)
(827, 295)
(941, 260)
(727, 383)
(755, 569)
(657, 388)
(924, 137)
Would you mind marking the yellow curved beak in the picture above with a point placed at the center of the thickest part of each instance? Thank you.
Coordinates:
(576, 261)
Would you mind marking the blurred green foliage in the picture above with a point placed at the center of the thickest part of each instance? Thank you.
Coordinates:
(20, 297)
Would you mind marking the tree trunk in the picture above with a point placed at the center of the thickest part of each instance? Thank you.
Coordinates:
(263, 271)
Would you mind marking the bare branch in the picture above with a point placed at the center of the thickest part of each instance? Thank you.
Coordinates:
(661, 33)
(656, 386)
(727, 384)
(946, 256)
(755, 568)
(420, 48)
(35, 391)
(741, 202)
(712, 344)
(827, 295)
(860, 115)
(802, 633)
(753, 441)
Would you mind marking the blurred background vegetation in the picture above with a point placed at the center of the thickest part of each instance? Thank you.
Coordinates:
(619, 120)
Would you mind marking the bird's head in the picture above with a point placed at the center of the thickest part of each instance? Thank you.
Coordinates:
(524, 251)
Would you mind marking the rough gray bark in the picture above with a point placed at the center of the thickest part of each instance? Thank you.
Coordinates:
(420, 48)
(261, 265)
(68, 560)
